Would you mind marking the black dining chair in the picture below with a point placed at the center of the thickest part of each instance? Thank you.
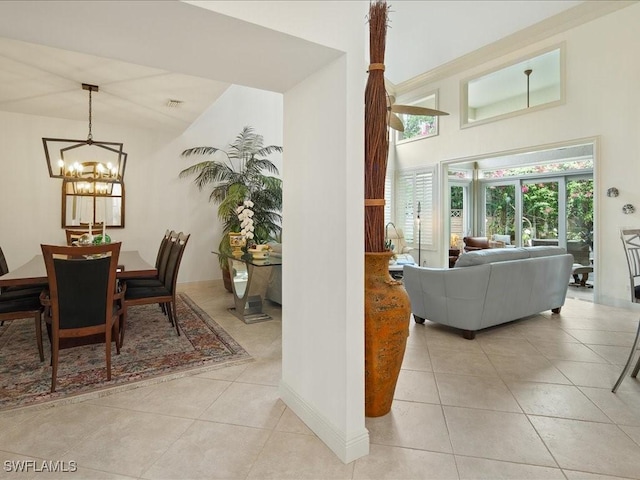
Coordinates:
(166, 293)
(18, 302)
(24, 291)
(161, 263)
(84, 298)
(16, 307)
(631, 242)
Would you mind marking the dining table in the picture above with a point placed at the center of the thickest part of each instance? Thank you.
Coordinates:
(130, 265)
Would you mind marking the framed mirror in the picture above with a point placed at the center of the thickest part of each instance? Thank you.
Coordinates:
(95, 202)
(529, 84)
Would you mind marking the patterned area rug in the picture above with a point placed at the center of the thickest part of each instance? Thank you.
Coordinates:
(152, 352)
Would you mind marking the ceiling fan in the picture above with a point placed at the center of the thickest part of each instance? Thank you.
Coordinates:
(394, 121)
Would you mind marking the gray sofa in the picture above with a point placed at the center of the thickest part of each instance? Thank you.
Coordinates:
(274, 285)
(490, 287)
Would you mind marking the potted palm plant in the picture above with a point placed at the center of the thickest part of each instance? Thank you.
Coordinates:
(242, 173)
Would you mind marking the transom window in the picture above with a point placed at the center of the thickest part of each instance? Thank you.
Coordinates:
(419, 126)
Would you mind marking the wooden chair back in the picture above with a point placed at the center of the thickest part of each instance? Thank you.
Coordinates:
(173, 264)
(163, 245)
(82, 295)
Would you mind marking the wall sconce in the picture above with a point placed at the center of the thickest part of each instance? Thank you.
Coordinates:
(97, 161)
(628, 208)
(612, 192)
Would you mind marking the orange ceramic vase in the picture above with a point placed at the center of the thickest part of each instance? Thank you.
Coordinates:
(387, 312)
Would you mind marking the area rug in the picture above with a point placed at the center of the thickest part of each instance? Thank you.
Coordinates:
(152, 352)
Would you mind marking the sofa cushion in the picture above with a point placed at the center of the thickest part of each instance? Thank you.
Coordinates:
(482, 257)
(545, 251)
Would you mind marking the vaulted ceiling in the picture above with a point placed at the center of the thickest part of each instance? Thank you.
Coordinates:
(42, 65)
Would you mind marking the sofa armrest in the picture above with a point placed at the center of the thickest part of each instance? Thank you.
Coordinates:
(452, 297)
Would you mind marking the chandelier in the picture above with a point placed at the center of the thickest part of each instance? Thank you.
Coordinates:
(91, 166)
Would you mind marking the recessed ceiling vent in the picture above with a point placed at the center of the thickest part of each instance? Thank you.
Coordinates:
(174, 103)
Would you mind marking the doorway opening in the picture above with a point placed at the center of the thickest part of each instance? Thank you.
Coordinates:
(538, 197)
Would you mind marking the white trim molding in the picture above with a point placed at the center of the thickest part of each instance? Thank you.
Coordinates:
(348, 447)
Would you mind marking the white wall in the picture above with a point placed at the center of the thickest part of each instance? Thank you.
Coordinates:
(602, 100)
(156, 199)
(323, 313)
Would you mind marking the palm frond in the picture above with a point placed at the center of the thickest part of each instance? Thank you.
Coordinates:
(268, 150)
(258, 164)
(200, 151)
(244, 174)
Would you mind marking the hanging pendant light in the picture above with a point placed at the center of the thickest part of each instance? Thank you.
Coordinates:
(528, 73)
(89, 161)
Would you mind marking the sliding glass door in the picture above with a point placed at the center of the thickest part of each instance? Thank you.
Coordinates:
(579, 207)
(541, 211)
(500, 209)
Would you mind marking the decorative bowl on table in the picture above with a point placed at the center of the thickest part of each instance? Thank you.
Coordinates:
(100, 239)
(85, 239)
(259, 252)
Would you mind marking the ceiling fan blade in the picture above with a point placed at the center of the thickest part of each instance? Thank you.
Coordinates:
(390, 99)
(413, 110)
(395, 122)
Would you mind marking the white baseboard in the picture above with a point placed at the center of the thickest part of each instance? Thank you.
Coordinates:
(346, 449)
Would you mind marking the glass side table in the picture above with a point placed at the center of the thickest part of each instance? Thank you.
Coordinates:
(249, 280)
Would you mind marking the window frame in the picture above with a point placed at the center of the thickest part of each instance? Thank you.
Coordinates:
(414, 101)
(464, 88)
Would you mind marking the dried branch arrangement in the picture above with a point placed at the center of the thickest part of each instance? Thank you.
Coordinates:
(376, 135)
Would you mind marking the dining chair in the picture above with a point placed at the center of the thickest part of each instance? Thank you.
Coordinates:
(165, 293)
(74, 235)
(20, 301)
(162, 258)
(631, 242)
(24, 290)
(16, 307)
(84, 298)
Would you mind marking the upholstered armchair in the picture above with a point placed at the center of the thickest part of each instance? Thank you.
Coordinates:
(475, 243)
(480, 243)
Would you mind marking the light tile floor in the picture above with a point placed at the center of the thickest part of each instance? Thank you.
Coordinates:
(527, 400)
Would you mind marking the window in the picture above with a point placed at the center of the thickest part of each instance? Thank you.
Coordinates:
(414, 205)
(534, 82)
(420, 126)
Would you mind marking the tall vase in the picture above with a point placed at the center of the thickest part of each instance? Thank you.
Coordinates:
(387, 313)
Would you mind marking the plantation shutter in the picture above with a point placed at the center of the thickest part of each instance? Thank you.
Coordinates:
(388, 196)
(404, 204)
(424, 195)
(412, 187)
